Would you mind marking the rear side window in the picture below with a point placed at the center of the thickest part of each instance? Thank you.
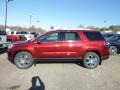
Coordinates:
(70, 36)
(93, 36)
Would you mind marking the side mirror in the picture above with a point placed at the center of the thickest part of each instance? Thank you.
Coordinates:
(38, 42)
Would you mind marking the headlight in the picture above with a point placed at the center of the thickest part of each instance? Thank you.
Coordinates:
(5, 45)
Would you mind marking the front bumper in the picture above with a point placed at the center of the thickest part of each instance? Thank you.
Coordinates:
(10, 55)
(3, 49)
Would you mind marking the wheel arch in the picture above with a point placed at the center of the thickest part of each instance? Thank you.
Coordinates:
(22, 51)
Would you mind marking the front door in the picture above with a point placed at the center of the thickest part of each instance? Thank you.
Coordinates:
(47, 46)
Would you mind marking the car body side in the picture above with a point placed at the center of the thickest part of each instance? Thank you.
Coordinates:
(60, 49)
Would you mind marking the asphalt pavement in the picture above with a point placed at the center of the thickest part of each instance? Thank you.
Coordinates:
(60, 76)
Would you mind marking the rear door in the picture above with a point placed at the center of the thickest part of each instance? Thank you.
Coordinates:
(69, 46)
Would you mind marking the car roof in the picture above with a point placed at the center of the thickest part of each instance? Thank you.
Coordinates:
(79, 30)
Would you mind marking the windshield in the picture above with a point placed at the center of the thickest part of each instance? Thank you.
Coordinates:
(114, 38)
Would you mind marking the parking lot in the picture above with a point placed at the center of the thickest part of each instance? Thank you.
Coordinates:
(60, 76)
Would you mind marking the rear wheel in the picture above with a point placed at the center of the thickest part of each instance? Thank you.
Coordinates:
(23, 60)
(113, 50)
(91, 60)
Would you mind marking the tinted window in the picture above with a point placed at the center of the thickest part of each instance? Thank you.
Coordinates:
(24, 33)
(3, 33)
(115, 38)
(93, 36)
(17, 32)
(70, 36)
(51, 37)
(12, 32)
(108, 36)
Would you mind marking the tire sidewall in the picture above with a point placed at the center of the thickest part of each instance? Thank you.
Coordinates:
(91, 53)
(114, 48)
(23, 53)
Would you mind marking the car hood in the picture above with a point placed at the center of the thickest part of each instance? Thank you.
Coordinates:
(20, 42)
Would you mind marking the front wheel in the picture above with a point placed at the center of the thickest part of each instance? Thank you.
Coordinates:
(91, 60)
(23, 60)
(113, 50)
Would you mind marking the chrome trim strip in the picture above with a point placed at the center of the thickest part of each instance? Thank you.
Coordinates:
(58, 58)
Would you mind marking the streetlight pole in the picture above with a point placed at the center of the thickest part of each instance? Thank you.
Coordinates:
(30, 22)
(105, 25)
(38, 25)
(6, 9)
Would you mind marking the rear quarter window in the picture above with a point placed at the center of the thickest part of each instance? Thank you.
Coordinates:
(94, 36)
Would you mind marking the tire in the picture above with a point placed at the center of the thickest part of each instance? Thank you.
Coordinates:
(91, 60)
(113, 50)
(23, 60)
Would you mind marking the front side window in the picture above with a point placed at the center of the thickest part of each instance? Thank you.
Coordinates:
(51, 37)
(70, 36)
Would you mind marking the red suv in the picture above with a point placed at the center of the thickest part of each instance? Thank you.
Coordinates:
(61, 45)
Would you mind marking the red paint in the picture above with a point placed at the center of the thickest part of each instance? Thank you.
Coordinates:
(13, 38)
(61, 49)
